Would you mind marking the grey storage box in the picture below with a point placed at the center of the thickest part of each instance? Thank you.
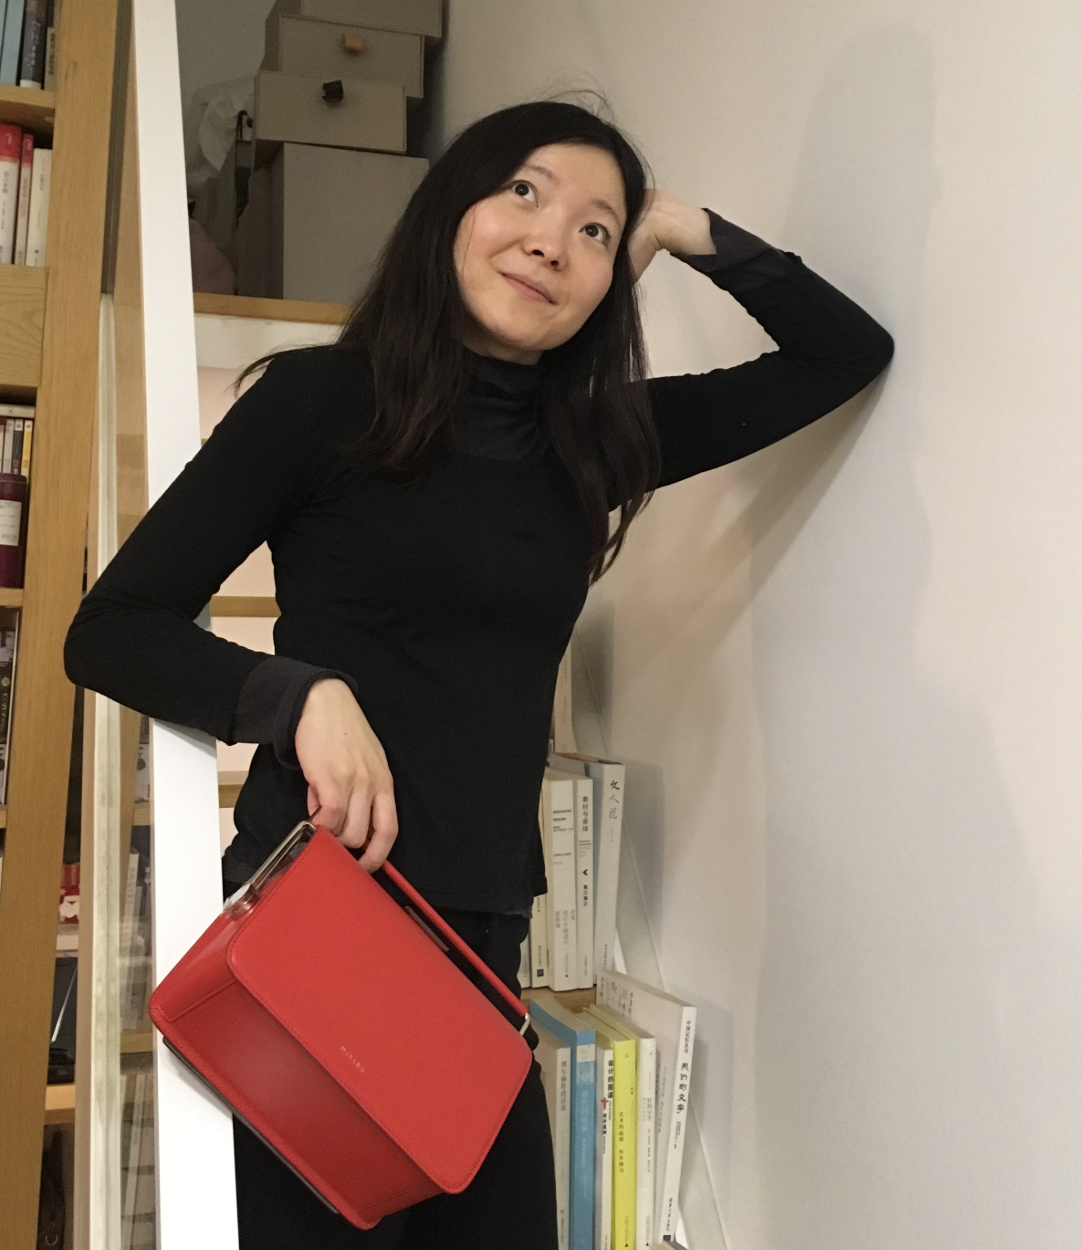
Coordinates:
(317, 219)
(303, 45)
(291, 108)
(412, 17)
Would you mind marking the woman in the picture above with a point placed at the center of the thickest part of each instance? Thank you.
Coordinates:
(436, 490)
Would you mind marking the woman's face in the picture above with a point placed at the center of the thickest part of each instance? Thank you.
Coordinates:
(535, 259)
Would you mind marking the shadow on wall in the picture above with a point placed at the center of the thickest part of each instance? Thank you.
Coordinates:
(901, 1099)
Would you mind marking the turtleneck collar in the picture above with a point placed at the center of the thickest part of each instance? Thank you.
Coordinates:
(500, 418)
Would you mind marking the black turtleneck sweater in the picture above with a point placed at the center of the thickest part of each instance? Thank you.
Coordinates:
(446, 603)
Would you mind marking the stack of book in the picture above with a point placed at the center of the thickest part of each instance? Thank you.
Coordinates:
(28, 42)
(25, 176)
(573, 927)
(617, 1080)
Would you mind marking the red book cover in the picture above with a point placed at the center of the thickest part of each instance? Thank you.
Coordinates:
(11, 140)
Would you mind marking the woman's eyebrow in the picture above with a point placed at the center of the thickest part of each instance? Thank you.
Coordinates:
(597, 202)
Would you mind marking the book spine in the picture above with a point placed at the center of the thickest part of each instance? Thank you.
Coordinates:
(668, 1215)
(584, 877)
(17, 446)
(12, 45)
(28, 438)
(603, 1184)
(32, 56)
(646, 1145)
(22, 212)
(11, 142)
(608, 782)
(559, 805)
(625, 1132)
(561, 1147)
(584, 1110)
(525, 981)
(39, 206)
(5, 454)
(7, 673)
(51, 23)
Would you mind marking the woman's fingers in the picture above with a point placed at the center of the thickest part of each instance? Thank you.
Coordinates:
(384, 830)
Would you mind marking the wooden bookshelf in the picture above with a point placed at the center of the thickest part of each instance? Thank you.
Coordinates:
(573, 1000)
(30, 108)
(271, 309)
(244, 606)
(22, 324)
(59, 1104)
(49, 342)
(229, 785)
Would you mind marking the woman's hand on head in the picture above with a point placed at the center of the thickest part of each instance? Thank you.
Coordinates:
(346, 770)
(668, 224)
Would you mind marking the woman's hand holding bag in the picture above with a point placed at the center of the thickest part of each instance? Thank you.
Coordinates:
(345, 766)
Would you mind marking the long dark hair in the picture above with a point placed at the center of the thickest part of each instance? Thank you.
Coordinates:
(411, 321)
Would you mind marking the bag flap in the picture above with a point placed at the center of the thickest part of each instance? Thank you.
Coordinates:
(397, 1025)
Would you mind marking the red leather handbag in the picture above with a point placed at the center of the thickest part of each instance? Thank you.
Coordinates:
(331, 1022)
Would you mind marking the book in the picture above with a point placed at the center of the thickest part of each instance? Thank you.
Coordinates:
(646, 1143)
(554, 1058)
(603, 1145)
(576, 1031)
(558, 805)
(130, 1161)
(5, 453)
(11, 145)
(28, 438)
(9, 645)
(672, 1022)
(32, 54)
(608, 777)
(51, 23)
(584, 864)
(12, 42)
(143, 1232)
(624, 1128)
(524, 979)
(38, 212)
(22, 210)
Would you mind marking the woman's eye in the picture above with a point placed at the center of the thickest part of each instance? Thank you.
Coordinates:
(522, 189)
(597, 231)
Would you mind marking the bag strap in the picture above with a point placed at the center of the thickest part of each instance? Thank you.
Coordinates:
(437, 921)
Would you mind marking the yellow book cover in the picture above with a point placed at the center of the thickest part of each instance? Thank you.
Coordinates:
(625, 1106)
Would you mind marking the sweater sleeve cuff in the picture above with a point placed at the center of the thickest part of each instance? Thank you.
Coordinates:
(271, 702)
(740, 261)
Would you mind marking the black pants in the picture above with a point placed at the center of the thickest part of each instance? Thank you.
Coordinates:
(509, 1205)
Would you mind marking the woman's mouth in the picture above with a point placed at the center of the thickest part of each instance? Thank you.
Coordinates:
(527, 289)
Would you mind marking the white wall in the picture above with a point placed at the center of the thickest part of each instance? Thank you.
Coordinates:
(847, 671)
(218, 40)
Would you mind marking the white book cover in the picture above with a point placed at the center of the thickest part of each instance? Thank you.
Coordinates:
(554, 1059)
(584, 879)
(36, 232)
(9, 438)
(672, 1022)
(608, 777)
(646, 1151)
(22, 214)
(558, 804)
(11, 142)
(525, 981)
(603, 1146)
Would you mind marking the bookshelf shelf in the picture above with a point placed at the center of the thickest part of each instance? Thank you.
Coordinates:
(22, 324)
(59, 1104)
(10, 597)
(573, 1000)
(244, 606)
(270, 309)
(28, 107)
(229, 785)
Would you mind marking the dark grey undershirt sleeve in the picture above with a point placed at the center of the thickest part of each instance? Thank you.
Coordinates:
(271, 702)
(741, 261)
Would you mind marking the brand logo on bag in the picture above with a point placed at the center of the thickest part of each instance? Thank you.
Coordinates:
(343, 1050)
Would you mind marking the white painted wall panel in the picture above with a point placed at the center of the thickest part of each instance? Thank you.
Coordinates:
(846, 672)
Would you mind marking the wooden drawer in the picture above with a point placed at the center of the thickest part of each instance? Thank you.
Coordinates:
(22, 324)
(303, 45)
(289, 108)
(317, 219)
(412, 17)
